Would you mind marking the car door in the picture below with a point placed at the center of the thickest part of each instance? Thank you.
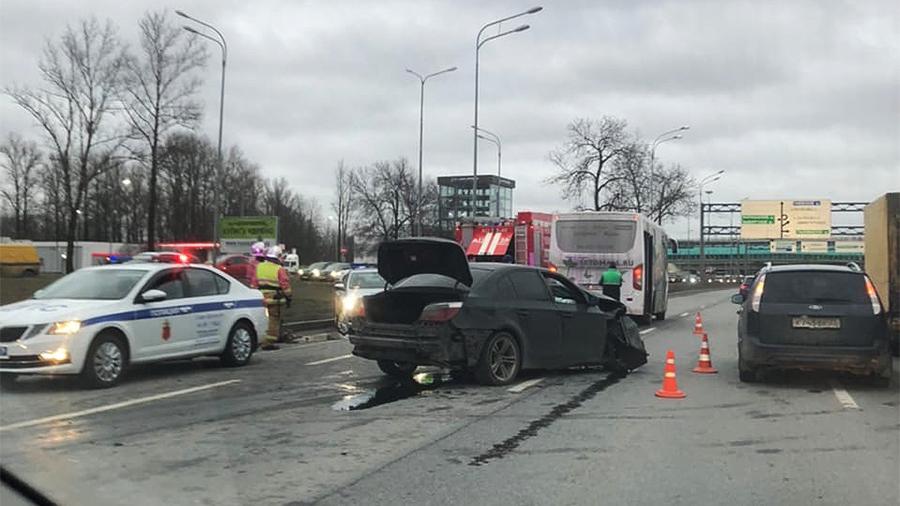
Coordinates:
(538, 319)
(163, 328)
(583, 326)
(211, 315)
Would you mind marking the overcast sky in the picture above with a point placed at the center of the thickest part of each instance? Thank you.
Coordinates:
(793, 99)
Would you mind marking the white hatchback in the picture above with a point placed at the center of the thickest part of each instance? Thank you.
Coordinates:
(98, 320)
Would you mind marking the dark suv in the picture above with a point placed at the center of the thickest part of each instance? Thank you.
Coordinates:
(813, 317)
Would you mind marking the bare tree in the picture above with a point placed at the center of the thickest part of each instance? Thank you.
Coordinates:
(159, 94)
(583, 162)
(20, 165)
(343, 204)
(675, 193)
(82, 75)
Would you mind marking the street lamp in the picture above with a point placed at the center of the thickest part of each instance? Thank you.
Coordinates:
(224, 47)
(706, 180)
(478, 43)
(661, 138)
(422, 80)
(495, 139)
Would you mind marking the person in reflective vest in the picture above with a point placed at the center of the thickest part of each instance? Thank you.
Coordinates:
(274, 282)
(612, 282)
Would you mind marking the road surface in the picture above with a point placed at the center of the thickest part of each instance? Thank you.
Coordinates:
(312, 424)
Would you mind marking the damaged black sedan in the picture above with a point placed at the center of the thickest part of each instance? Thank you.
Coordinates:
(490, 319)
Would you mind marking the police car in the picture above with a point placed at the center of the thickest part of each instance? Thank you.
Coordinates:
(98, 320)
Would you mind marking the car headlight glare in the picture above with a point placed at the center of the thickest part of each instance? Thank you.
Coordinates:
(60, 355)
(65, 328)
(350, 302)
(315, 273)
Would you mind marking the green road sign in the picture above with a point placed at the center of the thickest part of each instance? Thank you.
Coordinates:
(248, 227)
(758, 219)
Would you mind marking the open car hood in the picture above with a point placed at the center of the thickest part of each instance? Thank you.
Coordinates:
(403, 258)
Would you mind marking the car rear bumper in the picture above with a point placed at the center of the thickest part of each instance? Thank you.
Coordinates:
(441, 346)
(859, 360)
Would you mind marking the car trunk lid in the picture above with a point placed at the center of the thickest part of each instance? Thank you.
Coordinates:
(403, 258)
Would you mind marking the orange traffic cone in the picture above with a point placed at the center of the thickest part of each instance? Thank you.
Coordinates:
(698, 325)
(704, 365)
(669, 388)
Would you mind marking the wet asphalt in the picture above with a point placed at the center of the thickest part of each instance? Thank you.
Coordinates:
(309, 424)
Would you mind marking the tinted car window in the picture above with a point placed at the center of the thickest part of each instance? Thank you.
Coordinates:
(100, 284)
(529, 285)
(505, 290)
(169, 282)
(561, 293)
(203, 283)
(815, 287)
(222, 284)
(237, 260)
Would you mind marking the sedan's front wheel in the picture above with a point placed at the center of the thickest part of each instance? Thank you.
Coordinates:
(105, 362)
(500, 360)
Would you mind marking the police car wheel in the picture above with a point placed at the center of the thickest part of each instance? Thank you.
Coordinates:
(239, 347)
(105, 362)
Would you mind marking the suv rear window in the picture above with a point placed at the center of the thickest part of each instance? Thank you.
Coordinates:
(815, 287)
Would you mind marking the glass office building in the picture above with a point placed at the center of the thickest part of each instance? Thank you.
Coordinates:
(493, 198)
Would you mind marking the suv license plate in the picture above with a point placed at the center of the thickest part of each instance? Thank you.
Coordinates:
(806, 322)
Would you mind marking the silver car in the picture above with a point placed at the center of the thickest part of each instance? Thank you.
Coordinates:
(349, 291)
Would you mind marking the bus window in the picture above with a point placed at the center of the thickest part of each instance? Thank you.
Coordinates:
(582, 236)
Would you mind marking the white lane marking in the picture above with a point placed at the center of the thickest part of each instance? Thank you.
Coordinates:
(523, 385)
(118, 405)
(682, 315)
(647, 331)
(325, 361)
(844, 397)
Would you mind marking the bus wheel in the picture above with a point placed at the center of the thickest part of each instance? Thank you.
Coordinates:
(660, 315)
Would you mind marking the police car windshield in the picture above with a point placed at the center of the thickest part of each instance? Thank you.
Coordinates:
(366, 280)
(99, 284)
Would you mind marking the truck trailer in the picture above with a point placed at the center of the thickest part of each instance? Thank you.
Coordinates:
(882, 250)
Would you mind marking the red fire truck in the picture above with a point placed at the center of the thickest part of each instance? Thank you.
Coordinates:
(524, 240)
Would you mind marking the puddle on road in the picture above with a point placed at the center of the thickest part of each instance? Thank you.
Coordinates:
(394, 391)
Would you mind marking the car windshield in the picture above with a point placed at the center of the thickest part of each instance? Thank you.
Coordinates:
(317, 265)
(595, 236)
(366, 280)
(815, 287)
(98, 284)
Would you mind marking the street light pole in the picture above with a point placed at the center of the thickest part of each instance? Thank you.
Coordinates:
(422, 80)
(495, 139)
(708, 179)
(220, 162)
(661, 138)
(478, 43)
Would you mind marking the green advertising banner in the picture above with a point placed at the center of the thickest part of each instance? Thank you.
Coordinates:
(249, 228)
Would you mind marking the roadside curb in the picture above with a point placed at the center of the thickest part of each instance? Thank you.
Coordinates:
(314, 338)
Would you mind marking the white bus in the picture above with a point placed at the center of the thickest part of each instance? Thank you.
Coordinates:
(584, 244)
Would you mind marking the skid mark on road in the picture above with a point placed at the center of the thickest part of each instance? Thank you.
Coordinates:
(501, 449)
(523, 385)
(118, 405)
(327, 360)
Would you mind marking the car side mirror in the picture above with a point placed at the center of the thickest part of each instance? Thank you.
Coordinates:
(153, 296)
(737, 299)
(339, 286)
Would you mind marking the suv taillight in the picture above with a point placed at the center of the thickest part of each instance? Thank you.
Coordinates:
(637, 277)
(757, 293)
(873, 296)
(440, 312)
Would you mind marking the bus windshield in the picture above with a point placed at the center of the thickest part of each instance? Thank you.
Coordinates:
(594, 236)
